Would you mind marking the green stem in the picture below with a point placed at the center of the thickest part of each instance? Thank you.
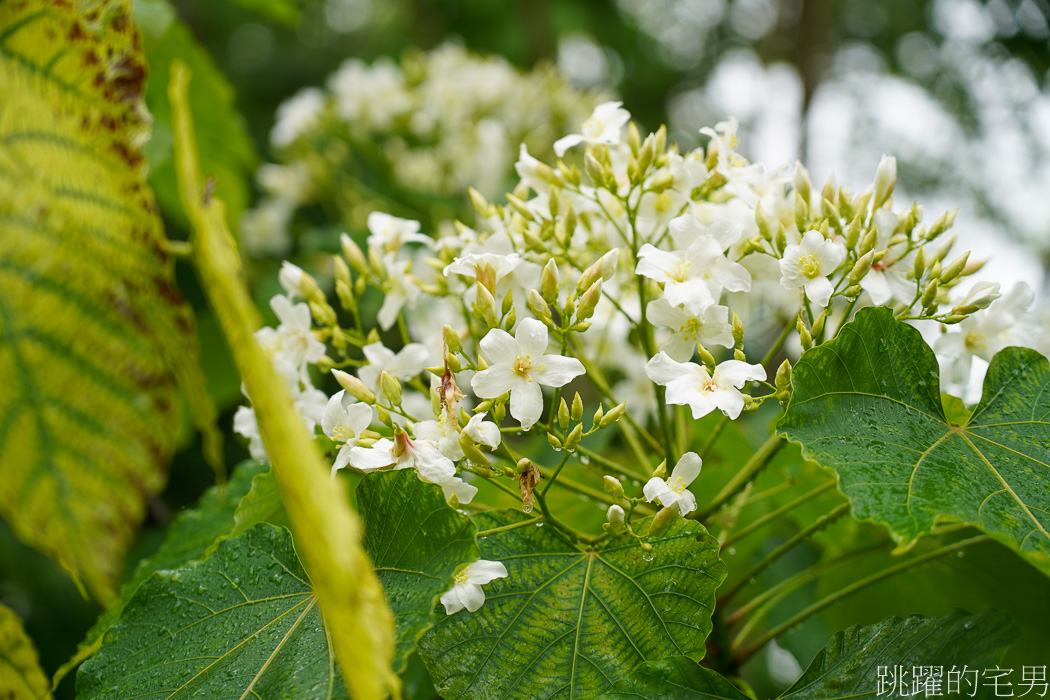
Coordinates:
(838, 595)
(778, 343)
(768, 518)
(783, 549)
(715, 432)
(757, 463)
(512, 526)
(611, 465)
(557, 471)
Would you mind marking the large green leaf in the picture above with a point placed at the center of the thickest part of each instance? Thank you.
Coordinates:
(20, 674)
(853, 664)
(674, 678)
(244, 618)
(849, 666)
(93, 333)
(569, 623)
(867, 405)
(415, 541)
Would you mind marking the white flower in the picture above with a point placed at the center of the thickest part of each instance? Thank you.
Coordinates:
(808, 265)
(467, 593)
(1005, 322)
(296, 116)
(463, 491)
(291, 278)
(674, 491)
(615, 514)
(403, 453)
(407, 363)
(344, 421)
(981, 295)
(246, 425)
(400, 288)
(690, 325)
(389, 233)
(689, 384)
(518, 364)
(295, 335)
(603, 126)
(696, 275)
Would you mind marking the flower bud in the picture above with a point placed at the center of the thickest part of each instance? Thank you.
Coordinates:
(803, 334)
(661, 470)
(783, 380)
(801, 212)
(520, 207)
(613, 415)
(738, 329)
(780, 239)
(615, 516)
(871, 238)
(563, 414)
(661, 182)
(919, 266)
(615, 489)
(471, 451)
(383, 415)
(818, 325)
(549, 282)
(354, 386)
(553, 441)
(853, 292)
(954, 268)
(577, 407)
(853, 232)
(589, 300)
(663, 520)
(452, 340)
(885, 180)
(597, 419)
(574, 437)
(391, 388)
(764, 227)
(942, 224)
(706, 357)
(615, 513)
(830, 189)
(861, 268)
(485, 305)
(929, 295)
(802, 183)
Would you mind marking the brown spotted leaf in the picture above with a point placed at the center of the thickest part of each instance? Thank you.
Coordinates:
(94, 338)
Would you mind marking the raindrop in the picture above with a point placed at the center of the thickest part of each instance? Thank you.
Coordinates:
(648, 555)
(731, 551)
(525, 430)
(526, 508)
(584, 459)
(539, 524)
(557, 449)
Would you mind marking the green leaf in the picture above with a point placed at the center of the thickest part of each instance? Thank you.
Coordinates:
(674, 678)
(191, 535)
(226, 149)
(94, 338)
(416, 542)
(867, 405)
(20, 674)
(244, 618)
(570, 623)
(848, 666)
(283, 11)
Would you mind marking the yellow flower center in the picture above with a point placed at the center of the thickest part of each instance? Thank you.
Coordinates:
(461, 577)
(975, 341)
(522, 365)
(690, 329)
(342, 434)
(677, 484)
(809, 266)
(663, 203)
(680, 273)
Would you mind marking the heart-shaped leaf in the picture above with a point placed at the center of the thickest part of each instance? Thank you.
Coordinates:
(674, 678)
(20, 675)
(244, 619)
(867, 405)
(569, 623)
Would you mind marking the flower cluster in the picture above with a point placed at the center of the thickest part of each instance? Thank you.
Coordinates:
(634, 277)
(430, 127)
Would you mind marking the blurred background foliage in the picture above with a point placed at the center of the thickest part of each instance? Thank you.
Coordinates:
(958, 90)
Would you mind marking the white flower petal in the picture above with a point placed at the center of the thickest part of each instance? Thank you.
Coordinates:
(663, 370)
(736, 373)
(484, 571)
(495, 381)
(371, 458)
(531, 336)
(471, 595)
(819, 291)
(656, 489)
(451, 601)
(499, 346)
(688, 467)
(526, 403)
(555, 370)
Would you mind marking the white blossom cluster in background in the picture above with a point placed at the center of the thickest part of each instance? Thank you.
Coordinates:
(430, 127)
(626, 272)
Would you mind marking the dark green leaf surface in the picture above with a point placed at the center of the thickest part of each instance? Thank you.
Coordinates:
(848, 667)
(242, 621)
(674, 678)
(189, 537)
(569, 624)
(867, 405)
(416, 542)
(245, 618)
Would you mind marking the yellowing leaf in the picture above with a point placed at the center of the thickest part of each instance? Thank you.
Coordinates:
(20, 674)
(94, 338)
(327, 532)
